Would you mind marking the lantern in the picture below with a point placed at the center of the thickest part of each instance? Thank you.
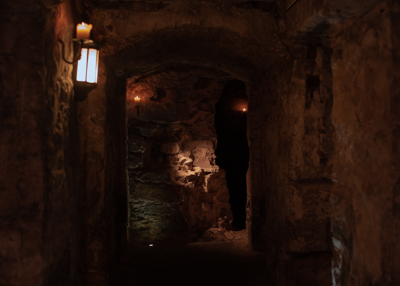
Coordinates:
(85, 61)
(86, 69)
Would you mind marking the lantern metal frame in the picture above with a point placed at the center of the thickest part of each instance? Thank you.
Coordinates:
(81, 89)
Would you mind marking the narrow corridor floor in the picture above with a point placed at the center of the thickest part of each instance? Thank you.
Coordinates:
(220, 258)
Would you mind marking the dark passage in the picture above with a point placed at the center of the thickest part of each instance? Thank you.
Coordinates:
(220, 262)
(233, 151)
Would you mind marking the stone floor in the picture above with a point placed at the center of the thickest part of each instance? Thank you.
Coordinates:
(219, 258)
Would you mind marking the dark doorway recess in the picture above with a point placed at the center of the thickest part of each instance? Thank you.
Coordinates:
(232, 150)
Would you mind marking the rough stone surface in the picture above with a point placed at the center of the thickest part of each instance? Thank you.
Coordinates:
(334, 127)
(309, 225)
(322, 79)
(292, 136)
(175, 185)
(366, 164)
(38, 165)
(183, 38)
(297, 165)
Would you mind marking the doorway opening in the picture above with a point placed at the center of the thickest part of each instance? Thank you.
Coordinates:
(232, 149)
(176, 191)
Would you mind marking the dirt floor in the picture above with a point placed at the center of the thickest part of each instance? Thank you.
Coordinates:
(219, 258)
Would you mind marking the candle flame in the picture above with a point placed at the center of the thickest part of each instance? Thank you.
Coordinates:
(244, 109)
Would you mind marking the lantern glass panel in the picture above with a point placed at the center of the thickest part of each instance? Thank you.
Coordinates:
(82, 65)
(92, 66)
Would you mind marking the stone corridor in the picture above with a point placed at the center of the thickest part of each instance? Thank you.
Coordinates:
(297, 99)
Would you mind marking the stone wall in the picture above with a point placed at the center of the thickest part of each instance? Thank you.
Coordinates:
(365, 114)
(354, 164)
(323, 133)
(297, 153)
(38, 161)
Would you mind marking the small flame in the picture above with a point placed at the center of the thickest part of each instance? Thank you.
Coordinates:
(244, 109)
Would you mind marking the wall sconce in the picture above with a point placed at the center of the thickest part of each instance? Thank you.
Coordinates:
(85, 61)
(137, 102)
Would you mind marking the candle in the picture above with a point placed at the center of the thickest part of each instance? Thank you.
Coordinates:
(83, 31)
(137, 99)
(244, 110)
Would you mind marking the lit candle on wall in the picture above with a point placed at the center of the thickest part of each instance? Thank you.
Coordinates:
(83, 31)
(137, 99)
(244, 109)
